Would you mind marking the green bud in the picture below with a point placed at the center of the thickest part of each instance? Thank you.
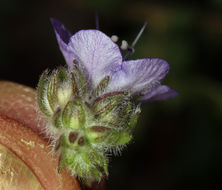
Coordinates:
(73, 115)
(106, 103)
(51, 91)
(64, 87)
(97, 134)
(42, 95)
(122, 138)
(89, 122)
(54, 91)
(57, 121)
(133, 118)
(67, 114)
(79, 78)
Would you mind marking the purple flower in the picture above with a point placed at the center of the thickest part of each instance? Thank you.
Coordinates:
(90, 105)
(101, 57)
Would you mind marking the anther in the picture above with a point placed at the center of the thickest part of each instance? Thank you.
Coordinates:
(114, 38)
(124, 45)
(97, 21)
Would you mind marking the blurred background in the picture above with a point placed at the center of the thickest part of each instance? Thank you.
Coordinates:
(178, 142)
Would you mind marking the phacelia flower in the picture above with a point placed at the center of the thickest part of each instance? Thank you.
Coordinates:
(92, 105)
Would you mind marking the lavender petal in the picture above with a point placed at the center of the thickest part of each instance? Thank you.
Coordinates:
(96, 52)
(63, 36)
(139, 75)
(161, 92)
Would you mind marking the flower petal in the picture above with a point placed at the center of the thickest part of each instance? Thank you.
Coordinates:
(63, 36)
(140, 75)
(60, 30)
(96, 52)
(161, 92)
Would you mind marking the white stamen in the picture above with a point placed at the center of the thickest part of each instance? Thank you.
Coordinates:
(131, 48)
(114, 38)
(124, 45)
(138, 36)
(97, 21)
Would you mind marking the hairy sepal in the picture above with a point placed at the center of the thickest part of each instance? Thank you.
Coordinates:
(86, 123)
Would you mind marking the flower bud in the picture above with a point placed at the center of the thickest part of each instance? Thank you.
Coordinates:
(86, 123)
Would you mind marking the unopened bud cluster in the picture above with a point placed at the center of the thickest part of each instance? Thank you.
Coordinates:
(86, 123)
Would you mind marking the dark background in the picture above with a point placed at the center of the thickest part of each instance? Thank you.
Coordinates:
(178, 142)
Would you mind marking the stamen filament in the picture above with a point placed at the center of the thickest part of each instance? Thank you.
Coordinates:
(138, 36)
(97, 21)
(130, 49)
